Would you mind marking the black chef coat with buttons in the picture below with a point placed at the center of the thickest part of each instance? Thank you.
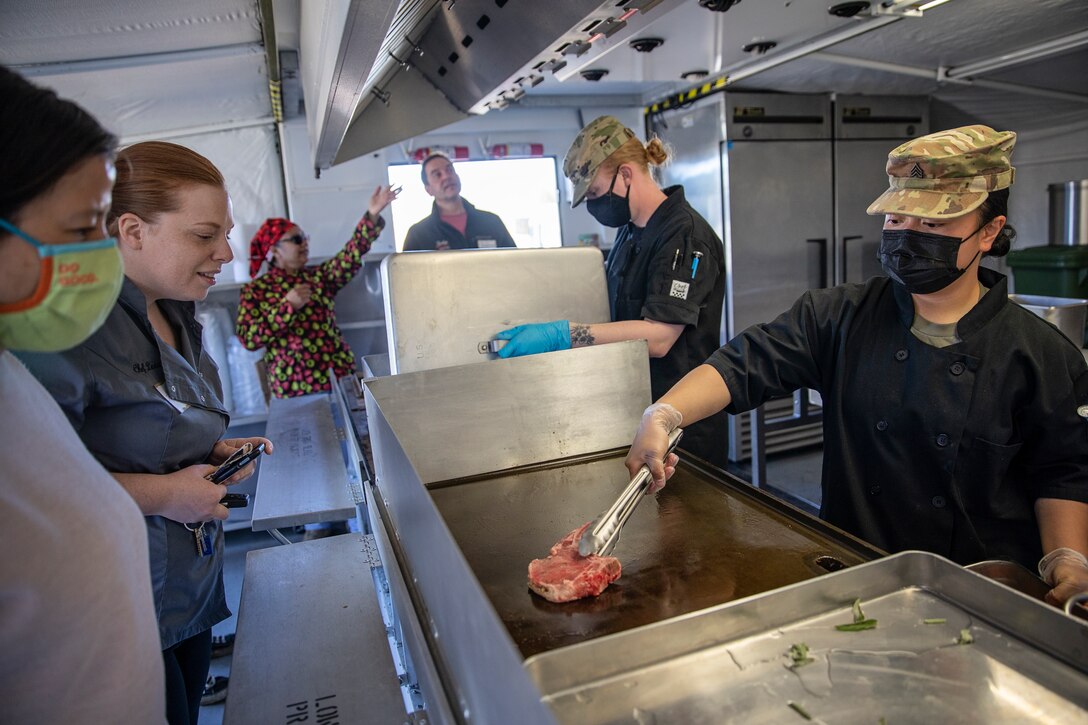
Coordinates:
(649, 277)
(939, 449)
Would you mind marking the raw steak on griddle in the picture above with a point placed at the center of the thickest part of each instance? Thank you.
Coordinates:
(566, 575)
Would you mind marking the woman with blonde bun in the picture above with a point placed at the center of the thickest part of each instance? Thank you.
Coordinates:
(666, 270)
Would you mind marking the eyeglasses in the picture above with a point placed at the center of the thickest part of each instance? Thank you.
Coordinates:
(296, 238)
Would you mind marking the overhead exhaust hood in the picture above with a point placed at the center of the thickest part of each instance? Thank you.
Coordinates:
(439, 61)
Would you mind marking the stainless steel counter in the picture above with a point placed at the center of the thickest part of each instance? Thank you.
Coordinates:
(439, 308)
(375, 366)
(1024, 662)
(305, 480)
(334, 665)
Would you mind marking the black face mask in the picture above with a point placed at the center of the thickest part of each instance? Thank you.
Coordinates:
(610, 209)
(920, 261)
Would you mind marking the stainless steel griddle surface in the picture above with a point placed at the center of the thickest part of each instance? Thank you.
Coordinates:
(701, 541)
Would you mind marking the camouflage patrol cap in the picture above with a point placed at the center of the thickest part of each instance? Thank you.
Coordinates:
(594, 143)
(948, 173)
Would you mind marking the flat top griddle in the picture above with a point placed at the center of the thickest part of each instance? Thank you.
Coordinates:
(705, 539)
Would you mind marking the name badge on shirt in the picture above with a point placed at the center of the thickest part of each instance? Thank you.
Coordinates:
(178, 405)
(487, 243)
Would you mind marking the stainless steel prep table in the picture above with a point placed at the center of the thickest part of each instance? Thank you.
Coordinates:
(335, 665)
(305, 480)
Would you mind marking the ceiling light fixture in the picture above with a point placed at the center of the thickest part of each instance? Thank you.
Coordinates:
(759, 46)
(646, 45)
(848, 9)
(718, 6)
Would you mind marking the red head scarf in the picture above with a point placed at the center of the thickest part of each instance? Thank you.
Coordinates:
(269, 233)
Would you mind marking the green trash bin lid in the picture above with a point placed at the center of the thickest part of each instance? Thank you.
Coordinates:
(1049, 257)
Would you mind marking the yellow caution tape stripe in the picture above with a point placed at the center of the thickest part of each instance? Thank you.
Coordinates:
(685, 97)
(276, 96)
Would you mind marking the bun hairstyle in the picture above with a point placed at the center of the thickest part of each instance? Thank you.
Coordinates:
(997, 204)
(42, 137)
(149, 176)
(654, 153)
(657, 152)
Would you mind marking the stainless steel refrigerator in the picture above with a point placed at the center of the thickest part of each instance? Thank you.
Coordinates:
(866, 128)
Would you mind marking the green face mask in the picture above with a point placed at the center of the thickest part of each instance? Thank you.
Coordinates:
(78, 286)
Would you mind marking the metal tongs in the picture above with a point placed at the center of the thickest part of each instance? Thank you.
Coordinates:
(601, 535)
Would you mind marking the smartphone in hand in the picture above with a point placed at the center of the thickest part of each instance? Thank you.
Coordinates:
(236, 462)
(235, 500)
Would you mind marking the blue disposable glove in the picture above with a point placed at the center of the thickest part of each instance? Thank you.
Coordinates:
(534, 338)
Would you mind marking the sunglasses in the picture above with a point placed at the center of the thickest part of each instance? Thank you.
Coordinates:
(296, 238)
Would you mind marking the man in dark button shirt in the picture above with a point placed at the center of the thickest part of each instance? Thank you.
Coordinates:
(453, 223)
(955, 421)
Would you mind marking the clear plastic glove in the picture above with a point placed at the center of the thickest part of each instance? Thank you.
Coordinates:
(651, 442)
(1066, 571)
(225, 447)
(192, 497)
(535, 338)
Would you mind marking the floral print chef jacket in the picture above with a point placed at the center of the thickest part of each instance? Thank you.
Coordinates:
(301, 345)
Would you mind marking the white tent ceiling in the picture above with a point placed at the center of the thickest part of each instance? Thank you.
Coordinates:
(54, 31)
(144, 67)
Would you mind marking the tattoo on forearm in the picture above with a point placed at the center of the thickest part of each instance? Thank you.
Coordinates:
(580, 336)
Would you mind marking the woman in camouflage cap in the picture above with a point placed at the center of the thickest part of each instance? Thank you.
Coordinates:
(666, 269)
(954, 420)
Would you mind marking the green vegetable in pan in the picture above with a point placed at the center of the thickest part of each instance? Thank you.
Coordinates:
(796, 707)
(799, 655)
(860, 623)
(857, 626)
(859, 616)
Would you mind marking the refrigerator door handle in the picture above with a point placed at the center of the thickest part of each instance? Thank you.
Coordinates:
(823, 259)
(845, 263)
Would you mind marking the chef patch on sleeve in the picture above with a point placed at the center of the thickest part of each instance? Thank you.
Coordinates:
(679, 289)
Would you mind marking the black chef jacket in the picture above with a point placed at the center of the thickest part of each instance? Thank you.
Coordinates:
(481, 227)
(939, 449)
(650, 277)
